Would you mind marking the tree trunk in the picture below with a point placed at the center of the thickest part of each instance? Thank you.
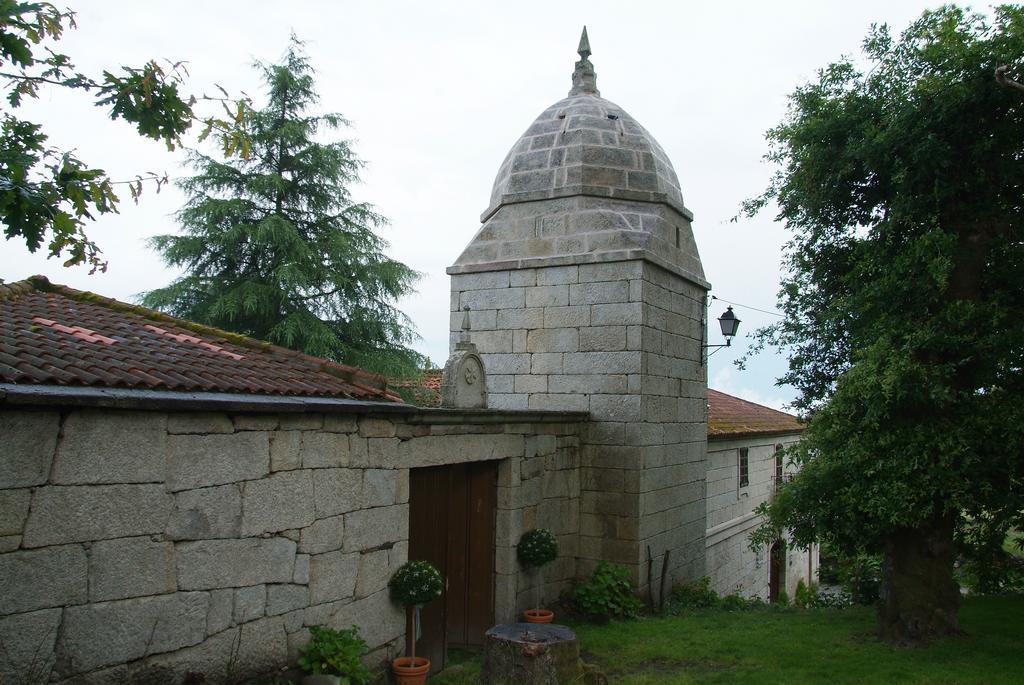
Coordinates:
(919, 599)
(531, 654)
(410, 631)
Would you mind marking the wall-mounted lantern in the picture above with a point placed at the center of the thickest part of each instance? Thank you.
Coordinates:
(730, 324)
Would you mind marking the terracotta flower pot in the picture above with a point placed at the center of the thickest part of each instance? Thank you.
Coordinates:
(410, 670)
(539, 616)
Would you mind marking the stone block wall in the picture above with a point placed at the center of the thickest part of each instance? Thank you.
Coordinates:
(673, 433)
(622, 341)
(138, 546)
(541, 489)
(732, 566)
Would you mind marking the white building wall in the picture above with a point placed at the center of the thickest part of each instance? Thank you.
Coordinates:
(731, 565)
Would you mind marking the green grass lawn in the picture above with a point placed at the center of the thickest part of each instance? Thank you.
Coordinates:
(831, 646)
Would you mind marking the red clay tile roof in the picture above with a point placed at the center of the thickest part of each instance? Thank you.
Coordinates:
(432, 379)
(731, 417)
(426, 389)
(55, 335)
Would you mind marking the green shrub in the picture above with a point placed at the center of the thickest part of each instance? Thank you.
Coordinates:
(999, 574)
(809, 596)
(415, 583)
(693, 595)
(537, 547)
(607, 593)
(699, 595)
(737, 602)
(336, 652)
(861, 578)
(805, 594)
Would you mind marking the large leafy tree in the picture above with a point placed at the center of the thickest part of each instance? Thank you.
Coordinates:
(275, 247)
(47, 195)
(901, 178)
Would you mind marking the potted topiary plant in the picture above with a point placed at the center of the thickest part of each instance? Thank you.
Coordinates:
(334, 657)
(536, 548)
(414, 584)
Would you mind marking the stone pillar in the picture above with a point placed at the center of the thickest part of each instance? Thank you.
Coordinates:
(621, 340)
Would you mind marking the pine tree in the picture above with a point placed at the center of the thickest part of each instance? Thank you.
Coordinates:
(275, 248)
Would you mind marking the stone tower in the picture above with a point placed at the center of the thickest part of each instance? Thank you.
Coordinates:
(586, 292)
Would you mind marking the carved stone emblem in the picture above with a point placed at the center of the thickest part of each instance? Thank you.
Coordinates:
(464, 381)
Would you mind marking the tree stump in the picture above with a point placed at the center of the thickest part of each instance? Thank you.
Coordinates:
(531, 654)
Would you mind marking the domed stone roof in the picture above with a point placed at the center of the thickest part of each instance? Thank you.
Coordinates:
(585, 145)
(584, 184)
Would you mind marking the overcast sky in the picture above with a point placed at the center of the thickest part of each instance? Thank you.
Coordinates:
(439, 91)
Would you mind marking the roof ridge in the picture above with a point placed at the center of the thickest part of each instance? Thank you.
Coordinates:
(343, 371)
(10, 290)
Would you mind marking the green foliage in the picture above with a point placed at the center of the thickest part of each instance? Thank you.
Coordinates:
(829, 565)
(607, 593)
(986, 566)
(537, 547)
(859, 574)
(809, 596)
(275, 247)
(1004, 574)
(802, 597)
(900, 180)
(1014, 544)
(693, 595)
(698, 595)
(48, 195)
(861, 578)
(336, 652)
(415, 583)
(737, 602)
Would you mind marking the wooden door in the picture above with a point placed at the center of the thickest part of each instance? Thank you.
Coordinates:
(451, 525)
(428, 525)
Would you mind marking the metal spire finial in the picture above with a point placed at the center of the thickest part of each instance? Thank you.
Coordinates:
(584, 48)
(584, 78)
